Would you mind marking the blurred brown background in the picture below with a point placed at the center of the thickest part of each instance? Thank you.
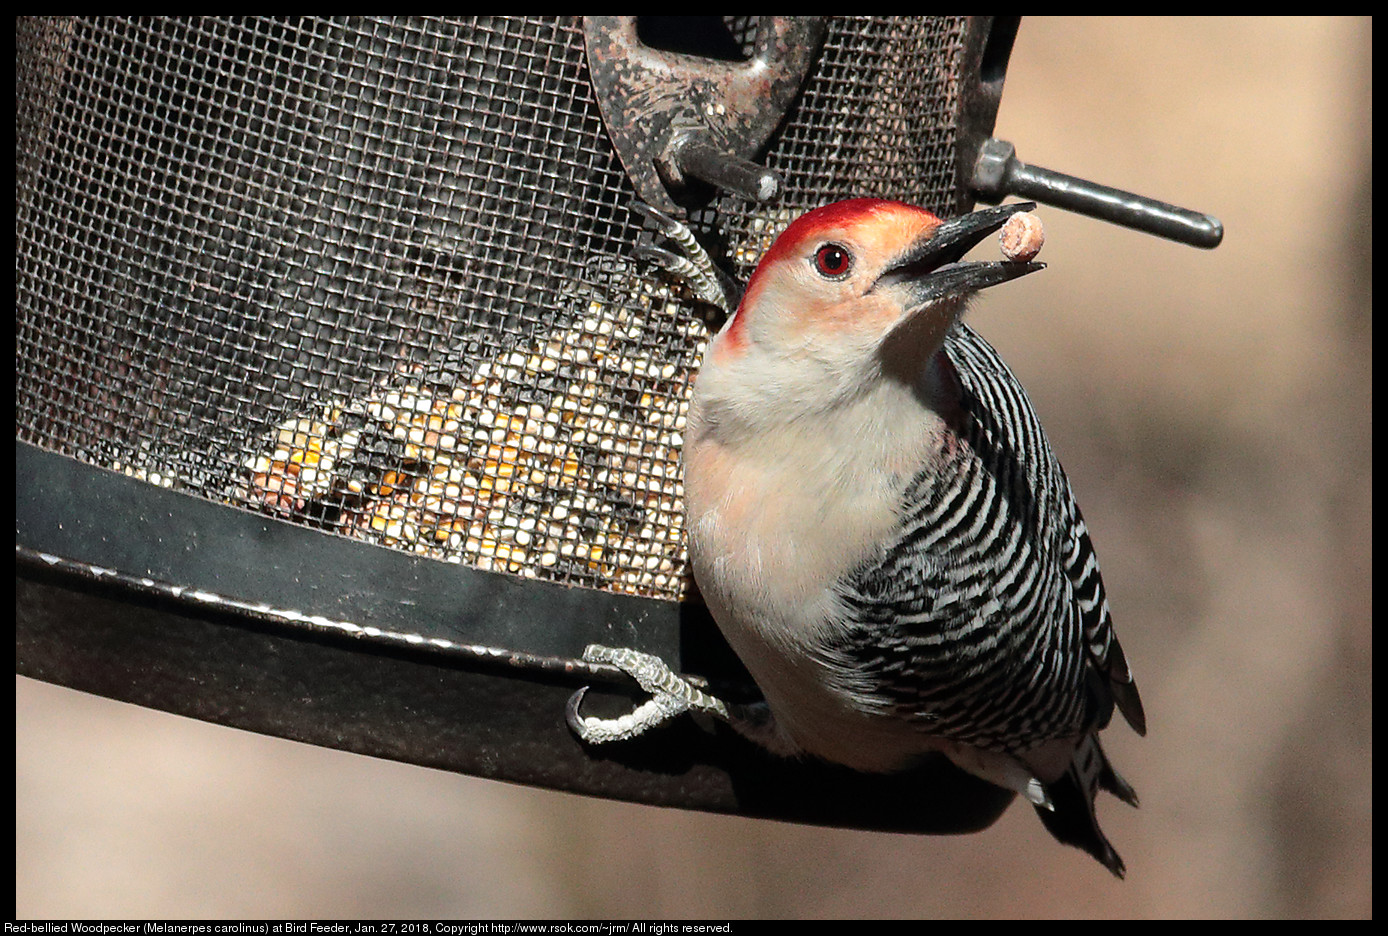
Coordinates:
(1213, 410)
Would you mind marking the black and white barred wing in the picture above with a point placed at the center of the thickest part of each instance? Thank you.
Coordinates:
(986, 621)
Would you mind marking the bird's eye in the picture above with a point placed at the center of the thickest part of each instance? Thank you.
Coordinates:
(833, 261)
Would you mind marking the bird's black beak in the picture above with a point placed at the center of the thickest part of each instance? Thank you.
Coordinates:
(932, 265)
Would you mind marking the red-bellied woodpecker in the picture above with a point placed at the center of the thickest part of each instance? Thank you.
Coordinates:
(882, 532)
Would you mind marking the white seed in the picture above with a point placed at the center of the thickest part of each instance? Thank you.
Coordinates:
(1021, 237)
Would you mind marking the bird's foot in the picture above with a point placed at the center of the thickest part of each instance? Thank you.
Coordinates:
(671, 695)
(692, 265)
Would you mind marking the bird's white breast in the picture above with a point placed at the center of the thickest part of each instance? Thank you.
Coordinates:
(775, 521)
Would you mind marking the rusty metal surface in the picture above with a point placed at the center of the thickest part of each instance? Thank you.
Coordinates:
(668, 112)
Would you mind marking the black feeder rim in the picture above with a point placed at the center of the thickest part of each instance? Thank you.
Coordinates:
(361, 648)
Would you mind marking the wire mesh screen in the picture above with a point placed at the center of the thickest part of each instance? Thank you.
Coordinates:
(373, 276)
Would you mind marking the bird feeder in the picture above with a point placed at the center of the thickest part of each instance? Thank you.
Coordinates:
(345, 411)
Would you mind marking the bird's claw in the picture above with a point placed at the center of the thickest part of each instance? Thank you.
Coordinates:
(658, 219)
(655, 711)
(691, 265)
(671, 695)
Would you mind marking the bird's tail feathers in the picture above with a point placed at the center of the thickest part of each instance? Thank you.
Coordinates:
(1072, 819)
